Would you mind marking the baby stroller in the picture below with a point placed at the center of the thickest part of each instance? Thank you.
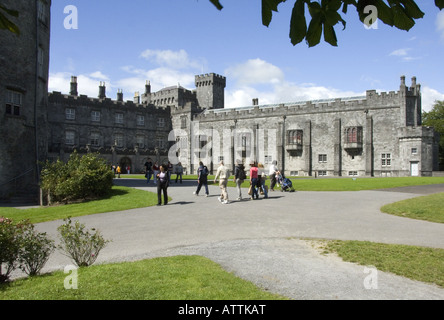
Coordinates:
(286, 184)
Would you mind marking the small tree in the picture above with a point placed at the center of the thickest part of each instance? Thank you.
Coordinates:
(82, 246)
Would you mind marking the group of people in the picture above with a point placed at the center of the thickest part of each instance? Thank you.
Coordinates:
(257, 178)
(162, 176)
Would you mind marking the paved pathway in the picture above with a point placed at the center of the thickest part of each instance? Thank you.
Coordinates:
(262, 240)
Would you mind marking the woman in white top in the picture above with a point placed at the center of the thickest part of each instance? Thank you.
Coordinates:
(272, 173)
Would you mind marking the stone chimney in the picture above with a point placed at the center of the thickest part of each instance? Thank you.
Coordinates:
(102, 90)
(136, 97)
(147, 87)
(73, 90)
(119, 95)
(255, 101)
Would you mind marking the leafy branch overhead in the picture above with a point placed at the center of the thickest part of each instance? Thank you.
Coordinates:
(324, 15)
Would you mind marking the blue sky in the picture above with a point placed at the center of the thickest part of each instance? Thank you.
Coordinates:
(168, 42)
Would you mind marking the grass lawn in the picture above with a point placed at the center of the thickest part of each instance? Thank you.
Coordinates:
(121, 198)
(172, 278)
(429, 208)
(417, 263)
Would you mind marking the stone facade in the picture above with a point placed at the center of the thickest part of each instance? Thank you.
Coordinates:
(24, 61)
(379, 134)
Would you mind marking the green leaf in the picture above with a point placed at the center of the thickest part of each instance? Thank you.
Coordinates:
(268, 6)
(314, 31)
(401, 19)
(217, 4)
(330, 35)
(298, 23)
(412, 9)
(439, 4)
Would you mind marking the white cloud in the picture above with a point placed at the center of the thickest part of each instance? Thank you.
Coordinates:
(400, 52)
(255, 71)
(253, 74)
(440, 23)
(86, 84)
(429, 96)
(171, 59)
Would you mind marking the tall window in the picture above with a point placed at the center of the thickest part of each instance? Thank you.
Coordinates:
(353, 135)
(118, 139)
(140, 141)
(322, 158)
(69, 137)
(95, 139)
(161, 122)
(140, 120)
(294, 137)
(119, 118)
(386, 159)
(13, 102)
(95, 116)
(70, 114)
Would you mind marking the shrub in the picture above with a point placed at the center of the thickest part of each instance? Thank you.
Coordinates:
(82, 177)
(35, 249)
(9, 248)
(21, 246)
(82, 246)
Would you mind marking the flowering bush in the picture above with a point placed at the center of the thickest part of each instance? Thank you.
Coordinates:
(82, 246)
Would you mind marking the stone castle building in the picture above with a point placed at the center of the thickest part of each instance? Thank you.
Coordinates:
(24, 64)
(379, 134)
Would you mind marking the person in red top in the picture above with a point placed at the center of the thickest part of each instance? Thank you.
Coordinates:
(254, 180)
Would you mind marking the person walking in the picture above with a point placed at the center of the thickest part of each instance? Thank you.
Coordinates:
(179, 172)
(148, 170)
(254, 180)
(155, 171)
(262, 178)
(118, 171)
(222, 174)
(239, 177)
(272, 171)
(202, 179)
(163, 181)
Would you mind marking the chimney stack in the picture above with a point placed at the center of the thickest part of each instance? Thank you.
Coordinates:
(136, 98)
(255, 101)
(73, 91)
(119, 95)
(102, 90)
(148, 87)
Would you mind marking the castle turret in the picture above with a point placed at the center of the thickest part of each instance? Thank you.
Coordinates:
(210, 91)
(102, 90)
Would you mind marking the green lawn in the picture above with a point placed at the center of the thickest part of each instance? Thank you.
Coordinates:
(172, 278)
(417, 263)
(121, 198)
(429, 208)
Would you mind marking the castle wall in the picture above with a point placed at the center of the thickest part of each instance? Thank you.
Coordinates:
(23, 97)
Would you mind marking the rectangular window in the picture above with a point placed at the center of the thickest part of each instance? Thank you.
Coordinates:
(322, 158)
(119, 118)
(40, 59)
(353, 173)
(414, 150)
(294, 137)
(268, 159)
(322, 173)
(42, 13)
(95, 139)
(13, 102)
(140, 120)
(386, 159)
(183, 122)
(95, 116)
(69, 137)
(118, 140)
(70, 114)
(160, 142)
(140, 141)
(160, 122)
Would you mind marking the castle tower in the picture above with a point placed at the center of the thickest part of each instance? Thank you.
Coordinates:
(210, 91)
(24, 98)
(410, 101)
